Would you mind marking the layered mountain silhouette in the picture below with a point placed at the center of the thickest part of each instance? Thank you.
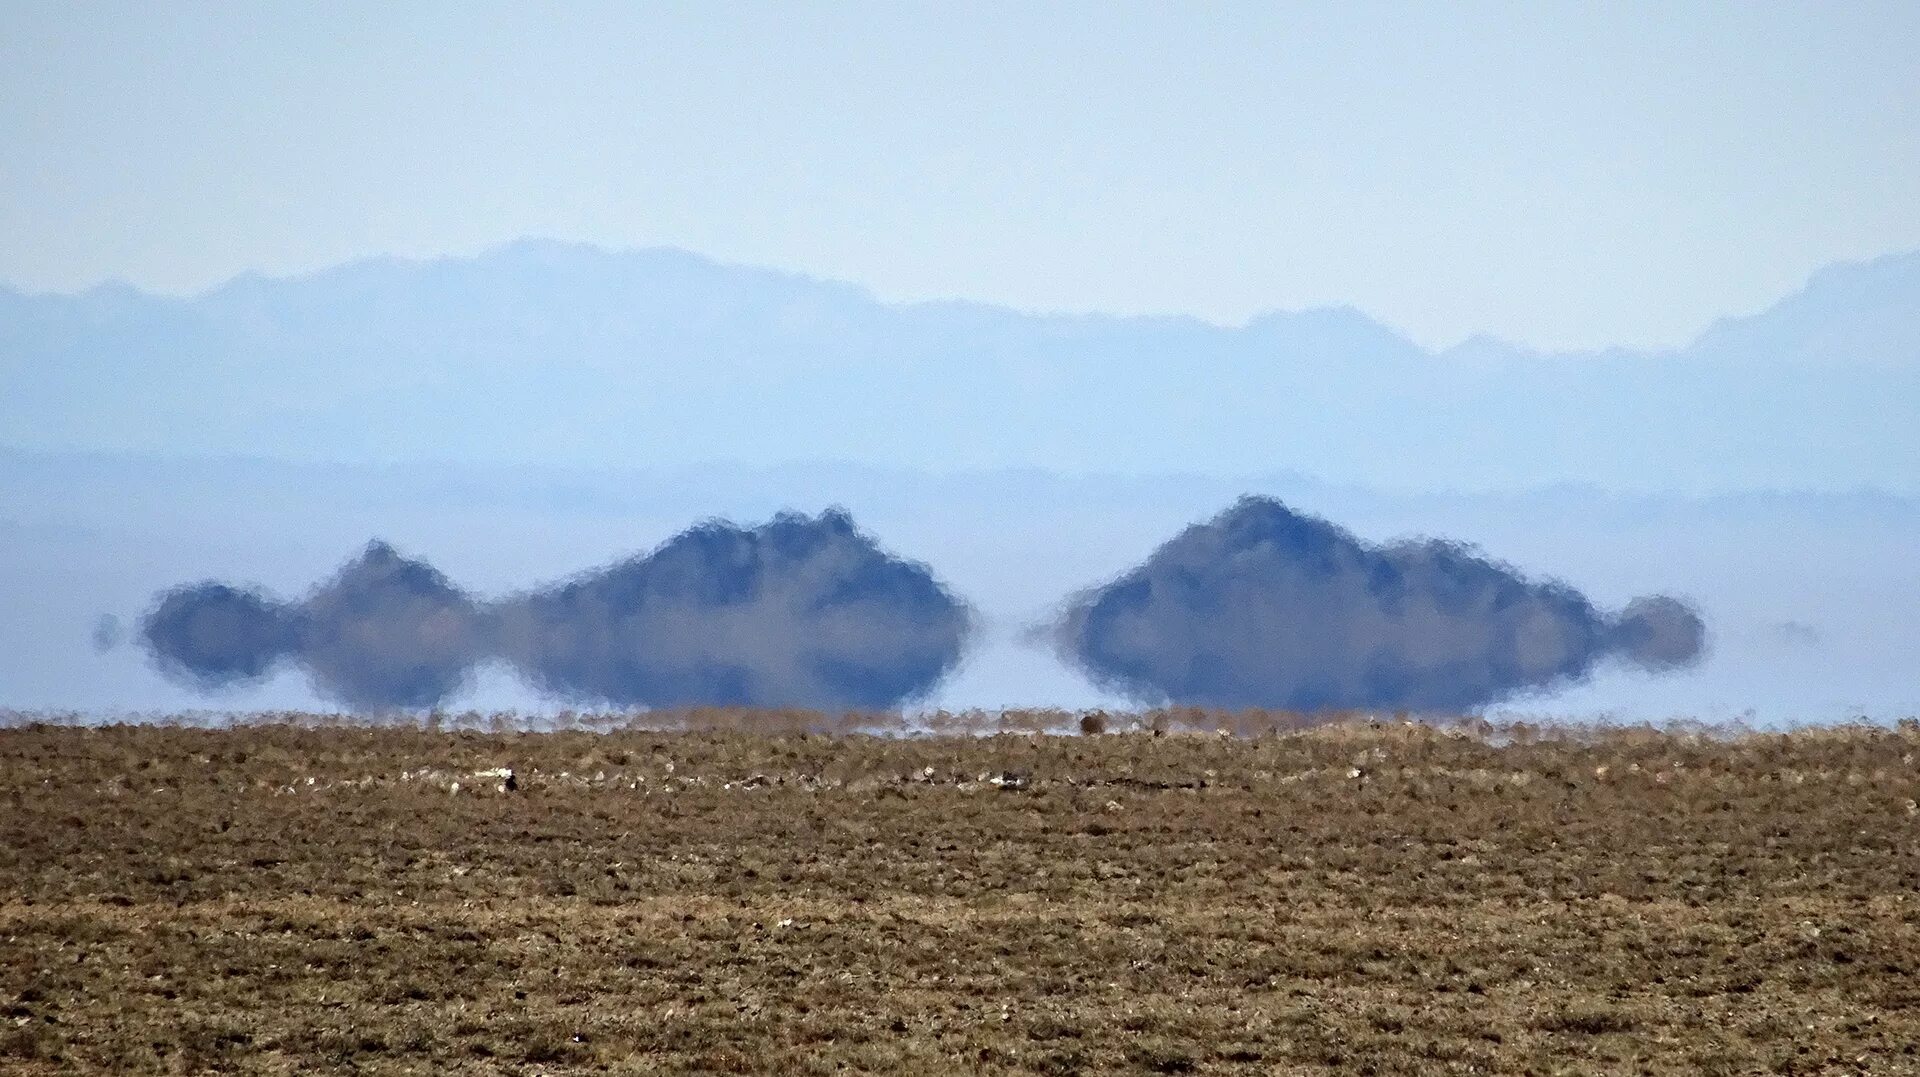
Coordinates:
(567, 354)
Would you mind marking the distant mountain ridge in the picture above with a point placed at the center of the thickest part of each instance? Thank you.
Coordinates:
(557, 353)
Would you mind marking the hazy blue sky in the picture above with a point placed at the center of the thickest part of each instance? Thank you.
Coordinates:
(1564, 175)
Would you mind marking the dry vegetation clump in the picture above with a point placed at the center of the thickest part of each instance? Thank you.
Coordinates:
(780, 893)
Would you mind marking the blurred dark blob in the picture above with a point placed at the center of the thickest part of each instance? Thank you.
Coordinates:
(214, 636)
(108, 633)
(802, 612)
(1659, 633)
(798, 612)
(389, 632)
(1265, 607)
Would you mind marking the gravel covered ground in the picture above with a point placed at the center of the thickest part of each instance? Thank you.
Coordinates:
(1361, 897)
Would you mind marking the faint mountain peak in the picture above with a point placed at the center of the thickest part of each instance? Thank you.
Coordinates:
(1888, 275)
(1488, 348)
(1338, 331)
(1335, 316)
(111, 301)
(565, 273)
(1860, 312)
(973, 315)
(113, 291)
(566, 259)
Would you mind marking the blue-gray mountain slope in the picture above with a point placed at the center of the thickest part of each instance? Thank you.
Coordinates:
(561, 354)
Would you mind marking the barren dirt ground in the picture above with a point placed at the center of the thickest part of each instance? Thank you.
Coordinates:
(1357, 898)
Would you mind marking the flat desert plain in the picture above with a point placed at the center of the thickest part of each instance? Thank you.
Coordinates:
(1156, 896)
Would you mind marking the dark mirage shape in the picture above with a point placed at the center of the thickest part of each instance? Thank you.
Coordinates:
(385, 632)
(803, 612)
(215, 636)
(1265, 607)
(390, 632)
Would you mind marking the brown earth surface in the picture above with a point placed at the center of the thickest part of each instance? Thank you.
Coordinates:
(1359, 897)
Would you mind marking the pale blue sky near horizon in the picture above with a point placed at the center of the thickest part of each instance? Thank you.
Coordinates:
(1560, 175)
